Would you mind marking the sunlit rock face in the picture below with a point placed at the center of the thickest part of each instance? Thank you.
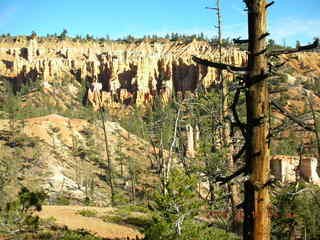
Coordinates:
(133, 73)
(289, 169)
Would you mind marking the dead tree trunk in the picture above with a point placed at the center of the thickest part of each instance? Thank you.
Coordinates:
(107, 149)
(256, 130)
(257, 201)
(225, 134)
(168, 163)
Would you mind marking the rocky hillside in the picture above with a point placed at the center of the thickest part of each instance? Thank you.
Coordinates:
(67, 157)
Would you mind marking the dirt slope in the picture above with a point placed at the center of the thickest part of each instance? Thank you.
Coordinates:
(68, 216)
(64, 154)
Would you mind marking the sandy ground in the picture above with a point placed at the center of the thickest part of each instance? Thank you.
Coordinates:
(67, 216)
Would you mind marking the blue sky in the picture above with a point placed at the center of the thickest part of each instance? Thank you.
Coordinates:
(289, 20)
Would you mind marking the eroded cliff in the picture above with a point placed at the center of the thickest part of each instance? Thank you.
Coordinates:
(128, 72)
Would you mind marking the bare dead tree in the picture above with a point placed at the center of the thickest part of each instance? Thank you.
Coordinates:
(290, 116)
(257, 223)
(107, 149)
(226, 124)
(168, 162)
(256, 130)
(133, 177)
(312, 46)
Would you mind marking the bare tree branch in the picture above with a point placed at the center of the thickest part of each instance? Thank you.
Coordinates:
(315, 124)
(264, 35)
(291, 117)
(241, 151)
(280, 90)
(233, 107)
(221, 66)
(224, 180)
(269, 4)
(273, 67)
(240, 41)
(314, 45)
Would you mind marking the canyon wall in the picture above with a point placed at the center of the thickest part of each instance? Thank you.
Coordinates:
(132, 73)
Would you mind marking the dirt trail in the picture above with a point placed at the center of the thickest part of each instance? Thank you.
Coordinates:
(66, 215)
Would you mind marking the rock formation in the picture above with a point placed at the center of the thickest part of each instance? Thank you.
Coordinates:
(289, 169)
(132, 73)
(129, 73)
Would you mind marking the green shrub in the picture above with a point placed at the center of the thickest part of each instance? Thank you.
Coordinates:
(78, 235)
(191, 230)
(87, 213)
(22, 140)
(18, 216)
(174, 213)
(112, 219)
(121, 198)
(62, 201)
(296, 212)
(140, 221)
(48, 222)
(45, 235)
(130, 214)
(135, 208)
(286, 146)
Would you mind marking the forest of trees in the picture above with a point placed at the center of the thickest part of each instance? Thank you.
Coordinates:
(173, 37)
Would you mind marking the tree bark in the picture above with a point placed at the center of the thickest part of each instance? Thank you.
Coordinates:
(257, 218)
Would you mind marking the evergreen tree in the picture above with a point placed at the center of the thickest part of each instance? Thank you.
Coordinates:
(63, 34)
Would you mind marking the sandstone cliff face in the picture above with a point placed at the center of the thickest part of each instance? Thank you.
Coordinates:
(132, 73)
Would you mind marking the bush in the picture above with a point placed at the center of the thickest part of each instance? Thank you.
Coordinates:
(142, 222)
(112, 219)
(136, 208)
(22, 140)
(18, 216)
(297, 210)
(191, 230)
(87, 213)
(45, 235)
(174, 213)
(126, 210)
(62, 201)
(79, 235)
(172, 210)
